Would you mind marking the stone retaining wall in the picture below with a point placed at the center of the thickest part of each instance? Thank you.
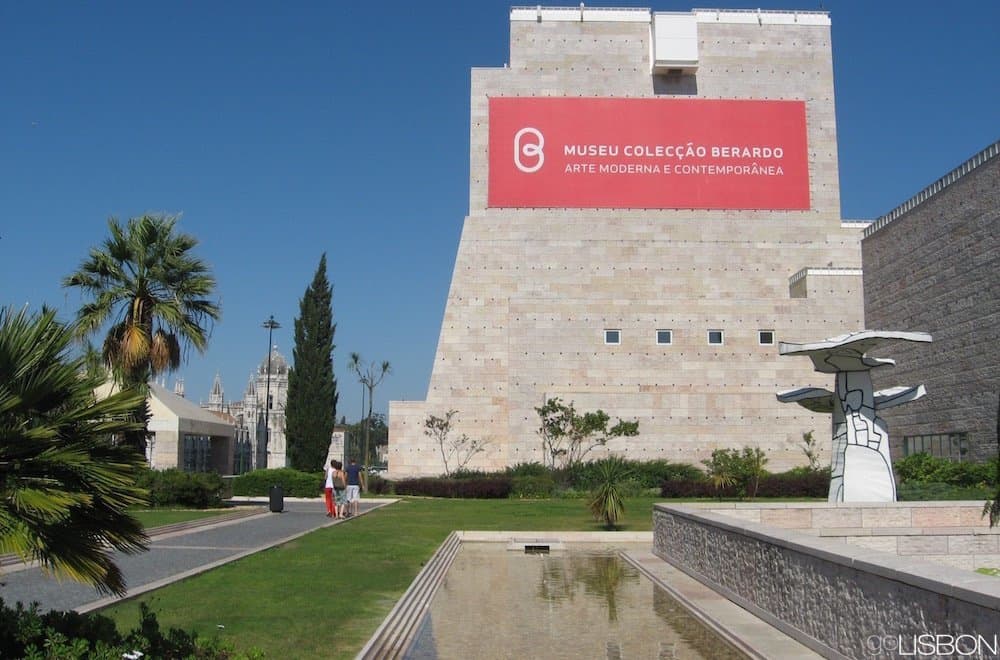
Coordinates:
(838, 598)
(950, 533)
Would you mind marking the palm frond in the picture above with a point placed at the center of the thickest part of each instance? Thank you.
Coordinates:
(65, 488)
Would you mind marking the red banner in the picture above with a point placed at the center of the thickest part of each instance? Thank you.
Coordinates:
(648, 153)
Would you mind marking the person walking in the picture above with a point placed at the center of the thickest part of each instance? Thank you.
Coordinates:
(331, 508)
(355, 482)
(339, 486)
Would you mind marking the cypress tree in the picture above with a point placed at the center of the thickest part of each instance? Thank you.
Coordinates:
(311, 408)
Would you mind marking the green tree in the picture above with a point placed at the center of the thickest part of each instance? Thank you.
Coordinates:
(371, 376)
(378, 434)
(458, 450)
(567, 436)
(145, 281)
(810, 449)
(65, 486)
(311, 408)
(733, 467)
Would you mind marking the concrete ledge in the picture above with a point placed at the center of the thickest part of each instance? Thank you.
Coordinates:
(829, 595)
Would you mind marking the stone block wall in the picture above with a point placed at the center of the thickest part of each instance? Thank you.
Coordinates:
(534, 289)
(839, 600)
(936, 268)
(947, 533)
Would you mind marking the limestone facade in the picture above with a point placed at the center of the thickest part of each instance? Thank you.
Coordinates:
(249, 414)
(534, 290)
(933, 265)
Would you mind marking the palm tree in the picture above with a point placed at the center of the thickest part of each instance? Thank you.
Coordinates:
(65, 487)
(145, 281)
(370, 377)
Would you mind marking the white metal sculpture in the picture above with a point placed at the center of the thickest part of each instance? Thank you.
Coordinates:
(861, 469)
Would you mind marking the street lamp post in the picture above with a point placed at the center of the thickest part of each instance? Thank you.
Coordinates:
(270, 324)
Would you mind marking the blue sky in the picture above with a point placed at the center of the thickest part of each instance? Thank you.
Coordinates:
(284, 130)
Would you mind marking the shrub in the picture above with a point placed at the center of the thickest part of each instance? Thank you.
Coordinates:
(929, 491)
(533, 486)
(795, 483)
(175, 487)
(690, 489)
(607, 502)
(647, 474)
(294, 483)
(924, 468)
(528, 470)
(378, 485)
(734, 468)
(652, 473)
(469, 474)
(28, 633)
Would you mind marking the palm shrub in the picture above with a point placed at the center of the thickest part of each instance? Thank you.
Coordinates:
(607, 501)
(65, 485)
(722, 470)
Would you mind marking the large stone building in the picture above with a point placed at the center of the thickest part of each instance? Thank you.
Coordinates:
(653, 204)
(933, 265)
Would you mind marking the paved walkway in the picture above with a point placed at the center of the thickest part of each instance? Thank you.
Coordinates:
(176, 554)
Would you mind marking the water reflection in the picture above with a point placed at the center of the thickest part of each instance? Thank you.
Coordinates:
(600, 575)
(582, 603)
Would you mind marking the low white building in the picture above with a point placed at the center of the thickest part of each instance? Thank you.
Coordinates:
(184, 435)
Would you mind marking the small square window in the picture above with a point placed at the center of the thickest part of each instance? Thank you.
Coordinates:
(664, 337)
(612, 337)
(715, 337)
(765, 337)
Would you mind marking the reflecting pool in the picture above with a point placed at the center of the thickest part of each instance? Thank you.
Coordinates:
(582, 602)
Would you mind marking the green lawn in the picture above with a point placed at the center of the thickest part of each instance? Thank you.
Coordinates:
(155, 517)
(324, 594)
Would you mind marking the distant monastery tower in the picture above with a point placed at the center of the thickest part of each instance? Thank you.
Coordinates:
(654, 204)
(249, 414)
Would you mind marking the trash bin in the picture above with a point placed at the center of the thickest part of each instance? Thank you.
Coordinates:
(277, 494)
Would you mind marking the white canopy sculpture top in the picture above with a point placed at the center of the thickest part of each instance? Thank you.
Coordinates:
(861, 469)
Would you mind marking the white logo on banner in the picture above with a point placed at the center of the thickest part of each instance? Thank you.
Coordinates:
(530, 150)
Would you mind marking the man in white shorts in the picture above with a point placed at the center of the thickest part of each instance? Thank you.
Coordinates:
(355, 481)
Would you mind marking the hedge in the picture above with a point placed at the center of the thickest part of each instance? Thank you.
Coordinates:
(533, 487)
(794, 483)
(486, 488)
(293, 483)
(924, 468)
(648, 474)
(929, 491)
(174, 487)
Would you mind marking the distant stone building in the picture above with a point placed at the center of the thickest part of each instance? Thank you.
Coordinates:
(933, 265)
(249, 414)
(654, 204)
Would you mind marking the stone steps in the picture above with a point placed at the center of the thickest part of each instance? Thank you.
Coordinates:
(394, 637)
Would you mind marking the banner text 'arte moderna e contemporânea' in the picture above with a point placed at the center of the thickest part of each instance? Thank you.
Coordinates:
(647, 153)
